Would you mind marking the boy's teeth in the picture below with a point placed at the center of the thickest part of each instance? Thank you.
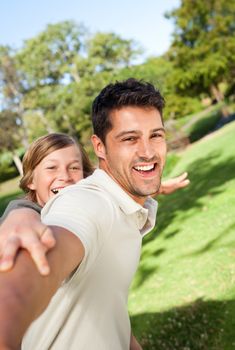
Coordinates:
(144, 167)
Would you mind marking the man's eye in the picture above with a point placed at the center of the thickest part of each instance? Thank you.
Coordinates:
(131, 138)
(158, 135)
(50, 167)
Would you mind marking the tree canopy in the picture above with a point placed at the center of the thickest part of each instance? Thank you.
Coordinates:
(203, 47)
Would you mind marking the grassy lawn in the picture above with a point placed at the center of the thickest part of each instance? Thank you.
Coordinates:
(183, 296)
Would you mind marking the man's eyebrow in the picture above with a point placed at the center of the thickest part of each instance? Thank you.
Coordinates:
(136, 132)
(126, 132)
(159, 129)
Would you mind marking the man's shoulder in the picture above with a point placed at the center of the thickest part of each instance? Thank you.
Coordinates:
(85, 197)
(99, 184)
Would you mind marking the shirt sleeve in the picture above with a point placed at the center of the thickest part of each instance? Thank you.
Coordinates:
(19, 204)
(86, 213)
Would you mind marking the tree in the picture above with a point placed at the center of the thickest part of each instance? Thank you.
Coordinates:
(10, 136)
(62, 68)
(203, 47)
(108, 51)
(12, 89)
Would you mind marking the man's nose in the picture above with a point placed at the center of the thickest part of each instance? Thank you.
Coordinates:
(145, 149)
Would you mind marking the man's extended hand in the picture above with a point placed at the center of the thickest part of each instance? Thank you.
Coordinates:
(134, 344)
(23, 228)
(174, 184)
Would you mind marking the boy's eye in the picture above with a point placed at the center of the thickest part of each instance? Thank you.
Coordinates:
(74, 168)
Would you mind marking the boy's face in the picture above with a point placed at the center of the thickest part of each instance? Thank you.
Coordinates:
(135, 150)
(57, 170)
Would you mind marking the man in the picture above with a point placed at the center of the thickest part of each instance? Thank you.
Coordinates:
(98, 226)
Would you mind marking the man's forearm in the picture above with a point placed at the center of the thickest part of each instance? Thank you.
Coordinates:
(134, 344)
(24, 293)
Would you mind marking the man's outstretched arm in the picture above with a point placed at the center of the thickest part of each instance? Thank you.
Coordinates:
(24, 293)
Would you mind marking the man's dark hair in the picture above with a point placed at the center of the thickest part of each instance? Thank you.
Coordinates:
(130, 92)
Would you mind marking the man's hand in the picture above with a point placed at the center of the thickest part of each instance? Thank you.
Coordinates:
(23, 228)
(172, 185)
(134, 344)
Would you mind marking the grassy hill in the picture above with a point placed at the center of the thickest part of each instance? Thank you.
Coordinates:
(183, 296)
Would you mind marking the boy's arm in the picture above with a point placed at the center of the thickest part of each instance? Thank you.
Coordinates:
(18, 204)
(24, 293)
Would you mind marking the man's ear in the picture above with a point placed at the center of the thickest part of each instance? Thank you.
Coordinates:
(98, 146)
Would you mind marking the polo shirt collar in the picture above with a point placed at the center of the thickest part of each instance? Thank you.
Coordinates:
(145, 215)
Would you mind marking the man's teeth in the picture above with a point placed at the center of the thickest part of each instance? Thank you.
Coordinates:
(144, 167)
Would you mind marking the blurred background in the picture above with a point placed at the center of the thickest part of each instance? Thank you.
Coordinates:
(55, 57)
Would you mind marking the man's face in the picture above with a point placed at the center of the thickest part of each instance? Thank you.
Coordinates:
(135, 150)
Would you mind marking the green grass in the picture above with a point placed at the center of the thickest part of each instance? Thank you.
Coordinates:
(183, 295)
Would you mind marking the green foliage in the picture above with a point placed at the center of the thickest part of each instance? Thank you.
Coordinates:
(155, 70)
(61, 70)
(159, 72)
(203, 49)
(178, 106)
(9, 135)
(9, 190)
(204, 126)
(7, 168)
(108, 51)
(47, 58)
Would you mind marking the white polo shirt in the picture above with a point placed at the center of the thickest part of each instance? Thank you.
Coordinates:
(89, 311)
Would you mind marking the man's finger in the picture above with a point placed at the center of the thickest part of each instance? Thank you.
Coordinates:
(38, 254)
(47, 238)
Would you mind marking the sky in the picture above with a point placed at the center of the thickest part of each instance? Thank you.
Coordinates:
(141, 20)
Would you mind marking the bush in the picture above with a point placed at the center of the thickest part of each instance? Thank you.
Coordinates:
(7, 168)
(204, 126)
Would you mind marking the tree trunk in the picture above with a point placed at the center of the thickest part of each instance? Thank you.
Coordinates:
(17, 162)
(216, 93)
(219, 96)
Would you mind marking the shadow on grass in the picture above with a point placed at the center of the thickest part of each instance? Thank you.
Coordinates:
(215, 243)
(202, 325)
(4, 200)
